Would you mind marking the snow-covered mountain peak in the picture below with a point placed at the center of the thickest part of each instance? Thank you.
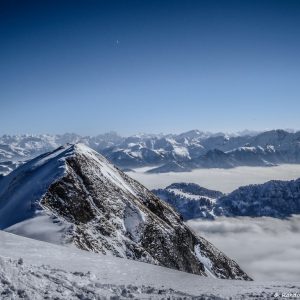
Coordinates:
(102, 165)
(21, 190)
(74, 196)
(190, 199)
(83, 149)
(275, 198)
(33, 179)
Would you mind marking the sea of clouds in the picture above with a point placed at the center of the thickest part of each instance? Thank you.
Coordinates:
(266, 248)
(224, 180)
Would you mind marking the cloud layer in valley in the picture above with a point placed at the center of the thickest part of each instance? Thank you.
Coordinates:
(224, 180)
(266, 248)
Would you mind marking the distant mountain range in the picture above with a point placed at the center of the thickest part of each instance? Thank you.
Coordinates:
(74, 196)
(165, 153)
(275, 198)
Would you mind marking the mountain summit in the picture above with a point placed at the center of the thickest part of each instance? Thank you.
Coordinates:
(74, 196)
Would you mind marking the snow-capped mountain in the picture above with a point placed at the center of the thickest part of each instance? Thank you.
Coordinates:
(7, 166)
(275, 198)
(165, 153)
(220, 150)
(16, 149)
(190, 199)
(74, 196)
(20, 147)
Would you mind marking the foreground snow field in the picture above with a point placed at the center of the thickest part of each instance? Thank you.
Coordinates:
(21, 281)
(31, 269)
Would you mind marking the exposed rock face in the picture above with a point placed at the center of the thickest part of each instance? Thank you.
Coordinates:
(98, 208)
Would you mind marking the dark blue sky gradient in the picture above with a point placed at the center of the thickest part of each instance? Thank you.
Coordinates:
(153, 66)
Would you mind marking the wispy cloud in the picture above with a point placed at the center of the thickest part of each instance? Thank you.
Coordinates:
(266, 248)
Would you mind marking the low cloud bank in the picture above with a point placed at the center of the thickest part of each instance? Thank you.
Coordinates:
(224, 180)
(266, 248)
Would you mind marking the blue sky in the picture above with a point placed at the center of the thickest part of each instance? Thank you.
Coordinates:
(149, 66)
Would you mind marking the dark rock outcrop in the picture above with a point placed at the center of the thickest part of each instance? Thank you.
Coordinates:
(103, 210)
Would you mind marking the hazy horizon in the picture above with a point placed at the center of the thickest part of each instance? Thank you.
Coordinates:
(238, 132)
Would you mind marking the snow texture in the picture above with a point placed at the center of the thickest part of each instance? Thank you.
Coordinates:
(49, 271)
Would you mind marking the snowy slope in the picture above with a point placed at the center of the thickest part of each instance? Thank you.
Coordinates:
(190, 200)
(74, 196)
(55, 271)
(275, 198)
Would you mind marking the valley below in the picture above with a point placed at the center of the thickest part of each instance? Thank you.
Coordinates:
(224, 180)
(266, 248)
